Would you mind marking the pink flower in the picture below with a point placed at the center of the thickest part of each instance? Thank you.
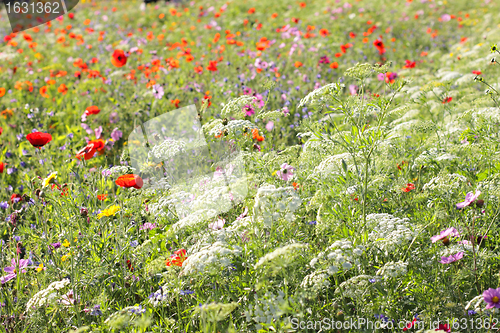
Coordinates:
(217, 225)
(450, 232)
(245, 212)
(492, 298)
(14, 269)
(270, 126)
(452, 258)
(469, 198)
(286, 172)
(148, 226)
(353, 89)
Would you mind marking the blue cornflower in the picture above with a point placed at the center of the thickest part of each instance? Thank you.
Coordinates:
(186, 292)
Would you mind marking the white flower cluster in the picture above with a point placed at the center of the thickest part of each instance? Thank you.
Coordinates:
(236, 104)
(356, 287)
(315, 282)
(428, 156)
(486, 114)
(236, 127)
(445, 183)
(210, 258)
(388, 231)
(281, 256)
(193, 220)
(162, 207)
(266, 309)
(272, 203)
(393, 269)
(318, 94)
(166, 150)
(45, 296)
(332, 165)
(341, 255)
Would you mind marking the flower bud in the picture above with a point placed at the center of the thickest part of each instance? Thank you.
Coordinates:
(84, 212)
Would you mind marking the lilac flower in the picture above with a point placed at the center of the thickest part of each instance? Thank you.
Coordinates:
(116, 134)
(452, 258)
(492, 298)
(158, 91)
(217, 224)
(134, 243)
(14, 269)
(4, 205)
(286, 172)
(469, 198)
(450, 232)
(96, 311)
(98, 132)
(113, 117)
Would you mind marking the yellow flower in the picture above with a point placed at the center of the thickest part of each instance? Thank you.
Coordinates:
(40, 268)
(66, 243)
(49, 179)
(65, 257)
(111, 211)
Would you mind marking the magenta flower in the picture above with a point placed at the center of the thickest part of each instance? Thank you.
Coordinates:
(450, 232)
(452, 258)
(148, 226)
(217, 224)
(286, 172)
(492, 298)
(248, 110)
(469, 198)
(14, 269)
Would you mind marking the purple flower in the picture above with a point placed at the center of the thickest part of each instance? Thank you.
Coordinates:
(4, 205)
(450, 232)
(492, 298)
(186, 292)
(452, 258)
(116, 134)
(113, 117)
(56, 245)
(469, 198)
(98, 132)
(14, 269)
(286, 172)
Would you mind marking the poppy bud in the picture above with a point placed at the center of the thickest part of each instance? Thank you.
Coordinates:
(480, 203)
(84, 212)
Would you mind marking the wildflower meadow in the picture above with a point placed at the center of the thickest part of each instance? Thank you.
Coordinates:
(252, 166)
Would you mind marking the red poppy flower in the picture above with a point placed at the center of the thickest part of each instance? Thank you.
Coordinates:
(1, 167)
(177, 258)
(408, 188)
(409, 64)
(39, 139)
(212, 66)
(380, 46)
(89, 150)
(129, 265)
(129, 180)
(16, 198)
(102, 197)
(477, 72)
(118, 59)
(447, 100)
(92, 110)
